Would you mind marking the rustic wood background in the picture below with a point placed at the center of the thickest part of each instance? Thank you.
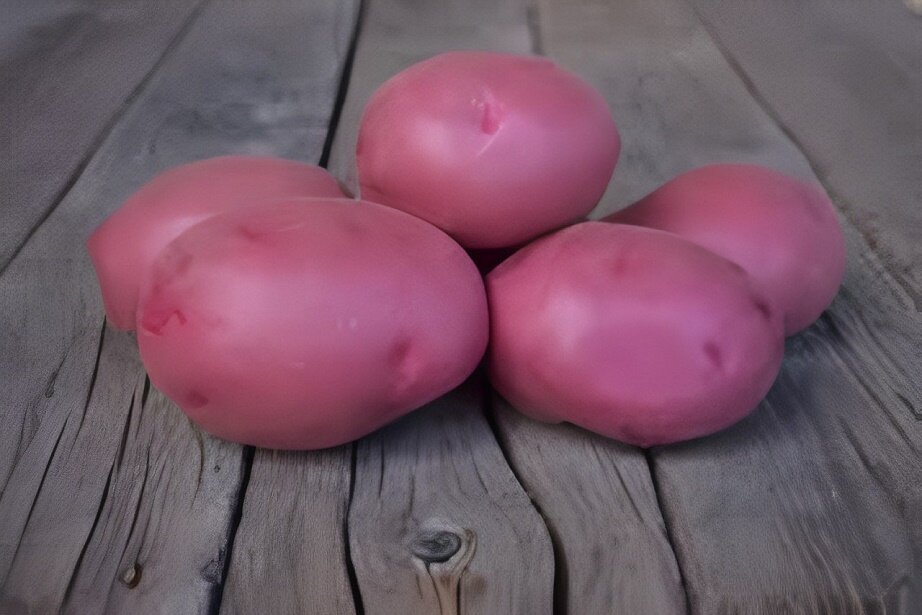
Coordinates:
(110, 501)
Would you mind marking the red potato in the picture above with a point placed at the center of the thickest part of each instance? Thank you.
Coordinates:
(125, 245)
(495, 149)
(309, 323)
(632, 333)
(784, 232)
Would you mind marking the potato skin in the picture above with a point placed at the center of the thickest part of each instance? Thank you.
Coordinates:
(784, 232)
(632, 333)
(309, 323)
(126, 244)
(495, 149)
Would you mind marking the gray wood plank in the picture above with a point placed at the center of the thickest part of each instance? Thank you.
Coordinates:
(459, 500)
(844, 79)
(67, 68)
(290, 550)
(600, 506)
(110, 501)
(814, 503)
(438, 522)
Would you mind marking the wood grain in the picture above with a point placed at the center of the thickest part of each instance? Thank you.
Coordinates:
(812, 505)
(438, 522)
(598, 500)
(110, 501)
(290, 550)
(67, 69)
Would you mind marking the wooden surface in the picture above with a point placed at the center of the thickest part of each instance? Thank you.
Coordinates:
(111, 501)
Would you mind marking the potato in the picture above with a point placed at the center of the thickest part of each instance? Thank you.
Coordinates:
(311, 322)
(785, 233)
(125, 245)
(495, 149)
(632, 333)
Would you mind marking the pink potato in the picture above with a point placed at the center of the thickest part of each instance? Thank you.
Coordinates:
(312, 322)
(784, 232)
(494, 149)
(125, 245)
(632, 333)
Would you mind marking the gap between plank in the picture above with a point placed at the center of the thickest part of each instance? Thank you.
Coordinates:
(106, 131)
(217, 594)
(667, 525)
(914, 295)
(350, 567)
(560, 585)
(343, 88)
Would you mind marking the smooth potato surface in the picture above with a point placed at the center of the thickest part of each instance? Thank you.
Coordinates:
(784, 232)
(633, 333)
(309, 323)
(493, 148)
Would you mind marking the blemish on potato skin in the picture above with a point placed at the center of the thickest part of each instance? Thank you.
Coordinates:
(249, 234)
(713, 353)
(490, 120)
(195, 400)
(406, 366)
(152, 325)
(763, 308)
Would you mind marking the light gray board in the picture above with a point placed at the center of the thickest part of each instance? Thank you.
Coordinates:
(438, 523)
(242, 80)
(394, 35)
(599, 503)
(845, 80)
(67, 68)
(814, 503)
(290, 551)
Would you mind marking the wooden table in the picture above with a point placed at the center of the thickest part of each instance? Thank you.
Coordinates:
(110, 501)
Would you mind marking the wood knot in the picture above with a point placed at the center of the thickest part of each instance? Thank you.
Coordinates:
(131, 576)
(435, 546)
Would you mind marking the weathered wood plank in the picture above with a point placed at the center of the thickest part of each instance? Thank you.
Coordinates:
(845, 80)
(814, 503)
(438, 523)
(290, 550)
(600, 506)
(67, 68)
(436, 485)
(110, 501)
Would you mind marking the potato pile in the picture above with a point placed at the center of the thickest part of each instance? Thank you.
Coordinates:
(276, 311)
